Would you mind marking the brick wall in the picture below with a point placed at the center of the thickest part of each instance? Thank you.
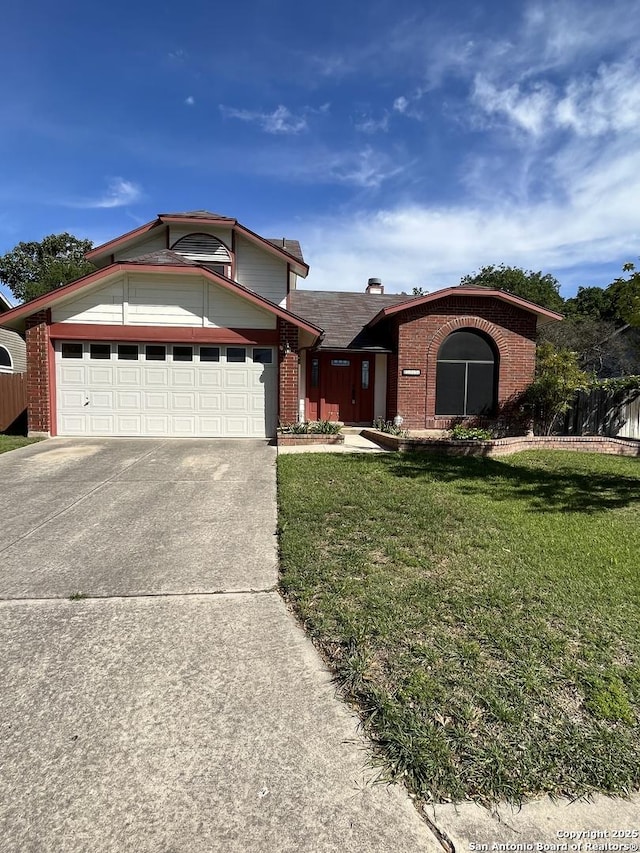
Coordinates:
(38, 398)
(287, 373)
(422, 330)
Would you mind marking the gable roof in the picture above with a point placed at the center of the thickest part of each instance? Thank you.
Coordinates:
(544, 315)
(343, 316)
(5, 305)
(287, 250)
(16, 317)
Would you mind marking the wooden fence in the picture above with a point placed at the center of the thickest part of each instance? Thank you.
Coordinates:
(600, 412)
(13, 397)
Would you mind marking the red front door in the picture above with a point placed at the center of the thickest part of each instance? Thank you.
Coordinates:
(340, 387)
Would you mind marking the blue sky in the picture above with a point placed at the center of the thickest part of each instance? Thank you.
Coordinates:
(407, 140)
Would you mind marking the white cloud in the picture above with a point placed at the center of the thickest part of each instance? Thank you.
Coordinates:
(190, 101)
(119, 193)
(280, 121)
(400, 104)
(368, 124)
(527, 110)
(594, 219)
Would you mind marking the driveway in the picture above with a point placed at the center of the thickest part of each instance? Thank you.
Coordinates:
(176, 706)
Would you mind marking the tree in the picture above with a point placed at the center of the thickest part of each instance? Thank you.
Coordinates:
(542, 289)
(31, 269)
(593, 302)
(558, 379)
(625, 295)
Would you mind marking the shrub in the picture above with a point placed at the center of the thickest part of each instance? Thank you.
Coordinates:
(471, 433)
(389, 426)
(313, 427)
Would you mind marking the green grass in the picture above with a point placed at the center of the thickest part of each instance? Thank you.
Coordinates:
(483, 614)
(12, 442)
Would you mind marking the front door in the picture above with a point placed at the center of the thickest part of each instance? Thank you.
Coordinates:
(341, 387)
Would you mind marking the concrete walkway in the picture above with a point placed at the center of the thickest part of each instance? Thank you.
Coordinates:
(353, 443)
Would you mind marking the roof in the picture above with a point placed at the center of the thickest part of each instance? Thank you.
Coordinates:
(343, 316)
(5, 305)
(290, 246)
(162, 257)
(288, 250)
(544, 315)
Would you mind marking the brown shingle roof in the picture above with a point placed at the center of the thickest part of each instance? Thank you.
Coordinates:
(197, 214)
(343, 316)
(162, 257)
(291, 246)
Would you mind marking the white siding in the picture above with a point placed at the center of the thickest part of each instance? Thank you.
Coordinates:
(302, 385)
(380, 387)
(152, 244)
(160, 300)
(260, 271)
(227, 310)
(101, 306)
(12, 342)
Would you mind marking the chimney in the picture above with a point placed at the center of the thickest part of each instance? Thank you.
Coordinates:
(375, 286)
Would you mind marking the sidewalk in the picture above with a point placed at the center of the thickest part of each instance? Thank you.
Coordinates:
(353, 443)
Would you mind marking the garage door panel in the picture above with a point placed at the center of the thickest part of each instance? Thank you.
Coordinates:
(112, 396)
(101, 424)
(73, 374)
(156, 376)
(128, 376)
(100, 375)
(128, 400)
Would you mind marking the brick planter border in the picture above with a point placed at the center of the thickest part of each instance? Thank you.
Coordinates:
(506, 446)
(286, 439)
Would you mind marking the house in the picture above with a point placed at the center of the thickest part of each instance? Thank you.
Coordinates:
(13, 352)
(193, 325)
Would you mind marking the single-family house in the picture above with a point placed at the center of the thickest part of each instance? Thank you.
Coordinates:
(194, 325)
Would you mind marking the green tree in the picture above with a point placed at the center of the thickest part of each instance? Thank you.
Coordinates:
(625, 295)
(594, 303)
(542, 289)
(558, 379)
(31, 269)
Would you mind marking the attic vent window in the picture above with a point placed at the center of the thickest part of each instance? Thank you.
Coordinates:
(205, 249)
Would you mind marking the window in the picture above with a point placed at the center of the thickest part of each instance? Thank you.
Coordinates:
(127, 352)
(182, 353)
(365, 374)
(263, 355)
(155, 352)
(466, 375)
(236, 355)
(5, 358)
(209, 353)
(71, 350)
(315, 370)
(100, 351)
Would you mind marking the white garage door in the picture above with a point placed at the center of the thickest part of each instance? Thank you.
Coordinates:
(130, 389)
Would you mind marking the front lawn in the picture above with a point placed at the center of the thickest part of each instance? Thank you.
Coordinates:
(483, 614)
(12, 442)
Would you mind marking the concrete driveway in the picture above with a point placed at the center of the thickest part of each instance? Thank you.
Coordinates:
(177, 706)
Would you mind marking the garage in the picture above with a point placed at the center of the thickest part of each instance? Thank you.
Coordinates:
(165, 389)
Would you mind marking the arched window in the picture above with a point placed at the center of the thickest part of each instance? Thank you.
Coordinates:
(6, 362)
(466, 375)
(206, 249)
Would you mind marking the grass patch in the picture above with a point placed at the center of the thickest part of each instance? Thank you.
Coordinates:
(484, 614)
(12, 442)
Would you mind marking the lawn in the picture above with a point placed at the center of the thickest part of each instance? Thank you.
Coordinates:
(484, 615)
(12, 442)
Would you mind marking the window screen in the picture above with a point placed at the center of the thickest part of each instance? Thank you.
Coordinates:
(466, 376)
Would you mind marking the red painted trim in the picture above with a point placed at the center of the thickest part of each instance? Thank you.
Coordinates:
(51, 298)
(213, 220)
(463, 292)
(177, 334)
(110, 245)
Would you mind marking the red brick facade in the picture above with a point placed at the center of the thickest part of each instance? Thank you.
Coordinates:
(287, 373)
(422, 330)
(38, 377)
